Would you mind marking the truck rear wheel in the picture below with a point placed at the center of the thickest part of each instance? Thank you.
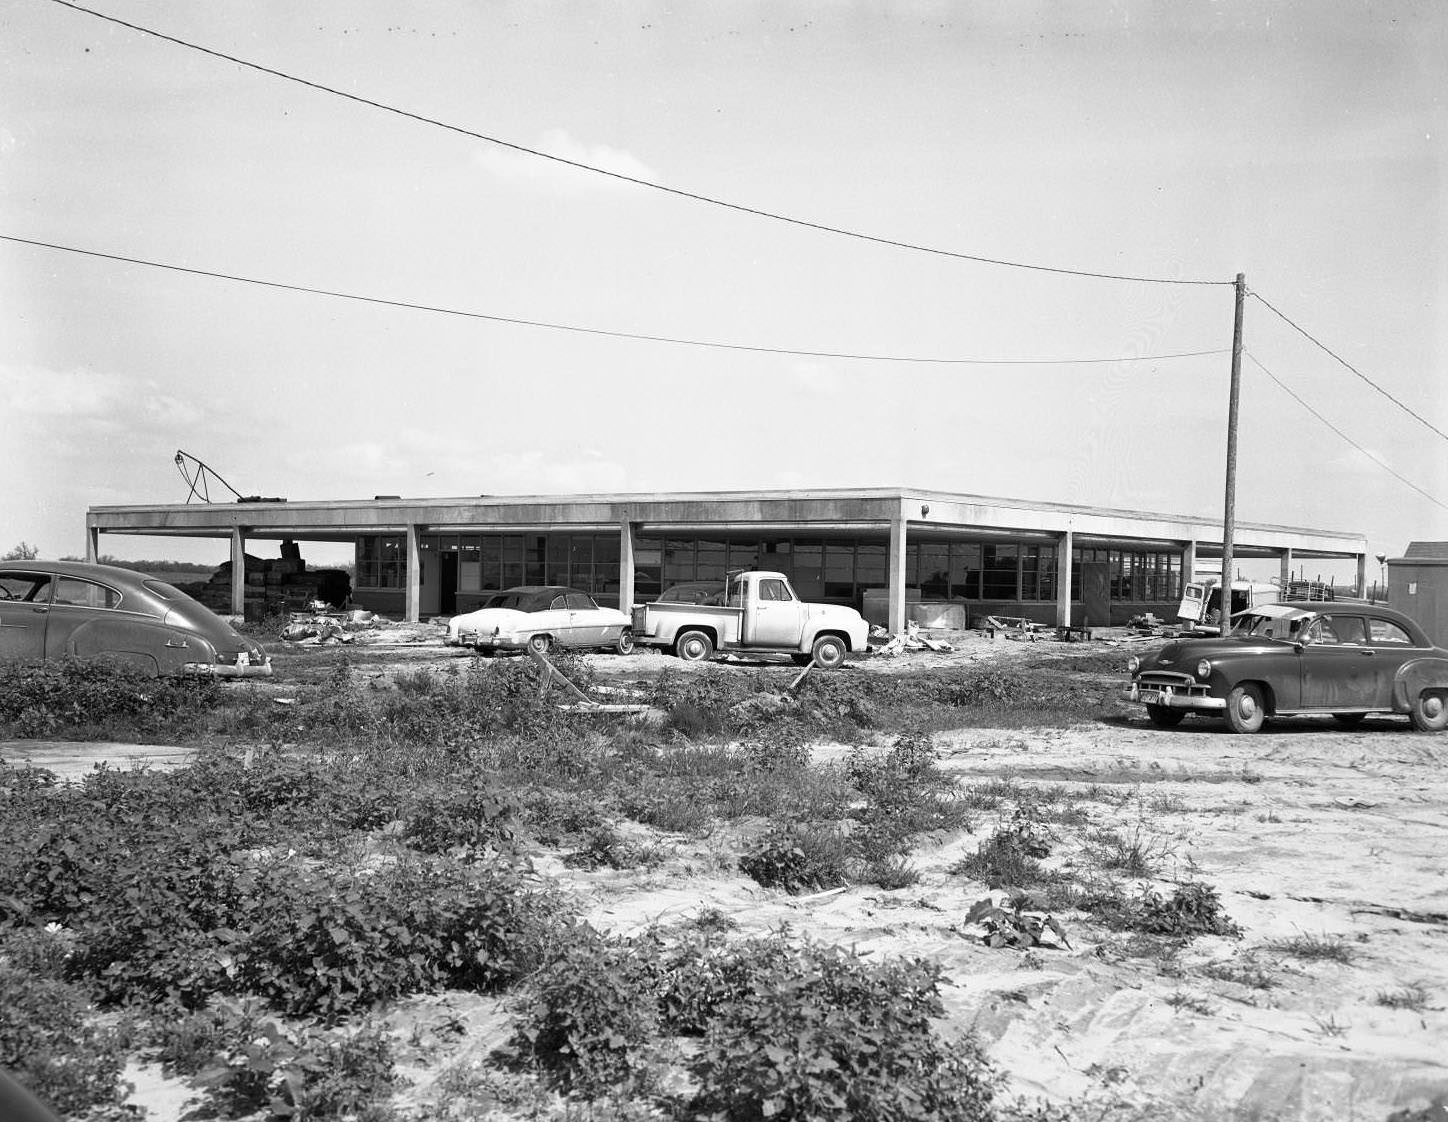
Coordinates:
(694, 646)
(829, 652)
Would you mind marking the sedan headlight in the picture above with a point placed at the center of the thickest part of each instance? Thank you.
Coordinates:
(1133, 664)
(1204, 669)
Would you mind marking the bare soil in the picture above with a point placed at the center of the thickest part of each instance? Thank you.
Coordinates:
(1326, 846)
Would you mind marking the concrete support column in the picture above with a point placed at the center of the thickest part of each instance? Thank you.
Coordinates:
(92, 545)
(625, 565)
(1362, 573)
(897, 573)
(238, 571)
(1286, 564)
(414, 576)
(1189, 564)
(1064, 548)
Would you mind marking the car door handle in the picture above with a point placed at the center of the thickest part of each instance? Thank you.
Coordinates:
(1367, 654)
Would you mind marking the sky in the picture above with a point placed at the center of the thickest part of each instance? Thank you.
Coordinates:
(1301, 144)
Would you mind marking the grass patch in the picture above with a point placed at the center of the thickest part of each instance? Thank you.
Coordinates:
(1315, 948)
(1413, 997)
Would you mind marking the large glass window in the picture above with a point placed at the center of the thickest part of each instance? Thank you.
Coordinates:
(998, 572)
(381, 561)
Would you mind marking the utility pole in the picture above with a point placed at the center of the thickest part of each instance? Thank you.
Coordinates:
(1229, 518)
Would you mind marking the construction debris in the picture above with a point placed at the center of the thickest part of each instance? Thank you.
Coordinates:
(911, 639)
(1018, 628)
(581, 702)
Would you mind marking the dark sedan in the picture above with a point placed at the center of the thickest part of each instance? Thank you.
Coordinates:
(1341, 659)
(66, 609)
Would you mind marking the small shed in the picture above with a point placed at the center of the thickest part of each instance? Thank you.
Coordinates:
(1418, 587)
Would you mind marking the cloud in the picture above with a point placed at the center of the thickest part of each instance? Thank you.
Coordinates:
(533, 171)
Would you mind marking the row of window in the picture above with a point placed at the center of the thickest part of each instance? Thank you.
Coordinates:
(826, 569)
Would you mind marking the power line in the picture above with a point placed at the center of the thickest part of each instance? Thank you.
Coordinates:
(1290, 393)
(518, 322)
(679, 192)
(1322, 346)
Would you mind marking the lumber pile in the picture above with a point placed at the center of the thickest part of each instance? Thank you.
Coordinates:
(275, 586)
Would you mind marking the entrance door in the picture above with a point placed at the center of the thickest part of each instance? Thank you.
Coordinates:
(1096, 593)
(447, 584)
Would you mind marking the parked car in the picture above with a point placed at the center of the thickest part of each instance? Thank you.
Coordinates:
(538, 617)
(1339, 658)
(67, 609)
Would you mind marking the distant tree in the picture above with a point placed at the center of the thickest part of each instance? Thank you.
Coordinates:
(22, 552)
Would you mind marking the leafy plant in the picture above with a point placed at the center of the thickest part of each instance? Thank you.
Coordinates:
(302, 1072)
(821, 1034)
(799, 859)
(1017, 919)
(47, 1043)
(589, 1017)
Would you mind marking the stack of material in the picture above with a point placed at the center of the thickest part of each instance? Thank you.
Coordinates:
(275, 586)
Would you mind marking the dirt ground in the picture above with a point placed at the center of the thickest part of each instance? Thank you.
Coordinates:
(1314, 837)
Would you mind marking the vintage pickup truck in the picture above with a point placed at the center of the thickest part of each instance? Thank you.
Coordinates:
(761, 614)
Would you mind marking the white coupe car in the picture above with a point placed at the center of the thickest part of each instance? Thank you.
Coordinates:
(538, 617)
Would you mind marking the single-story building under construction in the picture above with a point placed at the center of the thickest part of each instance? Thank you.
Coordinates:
(895, 553)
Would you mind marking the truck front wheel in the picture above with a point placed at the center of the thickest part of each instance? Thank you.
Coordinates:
(694, 646)
(829, 652)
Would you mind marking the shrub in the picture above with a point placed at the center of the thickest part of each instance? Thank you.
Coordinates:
(589, 1017)
(1194, 909)
(47, 1044)
(299, 1072)
(1009, 858)
(821, 1034)
(39, 699)
(799, 859)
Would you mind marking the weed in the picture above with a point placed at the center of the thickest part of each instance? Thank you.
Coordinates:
(589, 1017)
(1413, 996)
(1194, 908)
(1246, 972)
(891, 873)
(820, 1034)
(1180, 1001)
(47, 1044)
(799, 858)
(604, 847)
(1315, 948)
(1016, 920)
(1009, 858)
(1330, 1026)
(1132, 855)
(301, 1072)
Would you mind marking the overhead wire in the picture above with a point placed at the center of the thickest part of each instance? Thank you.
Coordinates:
(635, 180)
(1344, 362)
(1370, 455)
(578, 329)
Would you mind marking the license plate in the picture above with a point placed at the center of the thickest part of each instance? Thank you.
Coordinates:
(1157, 696)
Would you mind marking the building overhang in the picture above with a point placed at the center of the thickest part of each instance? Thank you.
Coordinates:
(924, 514)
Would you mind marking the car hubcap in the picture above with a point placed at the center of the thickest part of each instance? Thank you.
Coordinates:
(1247, 707)
(1433, 707)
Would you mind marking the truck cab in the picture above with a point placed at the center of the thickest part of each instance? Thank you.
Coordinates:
(1201, 606)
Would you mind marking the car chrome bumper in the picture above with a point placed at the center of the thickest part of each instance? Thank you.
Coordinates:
(1173, 697)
